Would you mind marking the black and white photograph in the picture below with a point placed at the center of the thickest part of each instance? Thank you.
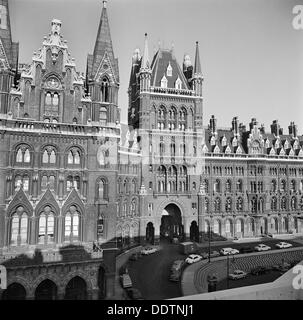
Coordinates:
(151, 153)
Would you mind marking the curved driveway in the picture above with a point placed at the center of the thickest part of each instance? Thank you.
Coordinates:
(194, 278)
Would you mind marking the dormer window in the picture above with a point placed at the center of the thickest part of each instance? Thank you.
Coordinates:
(178, 84)
(164, 82)
(212, 141)
(224, 141)
(169, 70)
(235, 142)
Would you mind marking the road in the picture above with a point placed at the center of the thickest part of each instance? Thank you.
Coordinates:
(150, 273)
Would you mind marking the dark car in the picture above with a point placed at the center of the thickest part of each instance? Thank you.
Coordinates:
(134, 294)
(259, 270)
(246, 250)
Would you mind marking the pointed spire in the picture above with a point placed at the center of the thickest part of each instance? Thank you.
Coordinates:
(103, 43)
(145, 60)
(10, 48)
(197, 68)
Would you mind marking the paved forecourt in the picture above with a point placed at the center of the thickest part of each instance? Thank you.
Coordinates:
(194, 278)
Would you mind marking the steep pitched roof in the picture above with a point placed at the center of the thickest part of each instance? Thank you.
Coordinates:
(160, 62)
(10, 49)
(103, 46)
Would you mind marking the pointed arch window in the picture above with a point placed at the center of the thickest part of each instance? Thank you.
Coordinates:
(72, 225)
(23, 155)
(46, 231)
(102, 193)
(103, 116)
(19, 227)
(105, 90)
(49, 155)
(74, 157)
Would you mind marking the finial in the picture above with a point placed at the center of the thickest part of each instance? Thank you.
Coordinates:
(104, 3)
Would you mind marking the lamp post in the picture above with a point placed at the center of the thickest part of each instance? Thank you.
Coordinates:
(228, 268)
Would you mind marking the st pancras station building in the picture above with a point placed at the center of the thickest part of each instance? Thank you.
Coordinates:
(77, 186)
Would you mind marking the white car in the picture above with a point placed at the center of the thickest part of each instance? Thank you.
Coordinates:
(192, 258)
(283, 245)
(238, 274)
(148, 250)
(226, 251)
(262, 247)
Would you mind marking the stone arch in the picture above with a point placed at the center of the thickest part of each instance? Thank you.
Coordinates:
(194, 231)
(21, 281)
(263, 226)
(76, 289)
(49, 276)
(14, 291)
(81, 274)
(46, 290)
(217, 226)
(47, 199)
(165, 203)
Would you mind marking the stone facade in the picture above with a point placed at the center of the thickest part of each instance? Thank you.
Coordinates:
(58, 168)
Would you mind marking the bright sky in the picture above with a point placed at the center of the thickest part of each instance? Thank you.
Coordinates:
(252, 57)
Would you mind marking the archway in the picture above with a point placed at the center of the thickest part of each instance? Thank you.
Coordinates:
(150, 233)
(14, 291)
(102, 283)
(46, 290)
(274, 225)
(171, 223)
(240, 228)
(194, 231)
(76, 289)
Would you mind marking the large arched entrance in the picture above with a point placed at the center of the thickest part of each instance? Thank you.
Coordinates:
(171, 223)
(150, 233)
(194, 231)
(76, 289)
(14, 291)
(46, 290)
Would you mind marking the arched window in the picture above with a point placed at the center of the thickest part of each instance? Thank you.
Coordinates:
(55, 99)
(239, 204)
(49, 155)
(283, 186)
(217, 205)
(228, 205)
(102, 189)
(46, 226)
(133, 208)
(72, 225)
(48, 99)
(72, 182)
(103, 116)
(162, 148)
(273, 186)
(74, 157)
(217, 186)
(273, 204)
(293, 186)
(206, 186)
(23, 155)
(19, 227)
(206, 205)
(293, 203)
(239, 186)
(228, 186)
(105, 90)
(283, 203)
(22, 181)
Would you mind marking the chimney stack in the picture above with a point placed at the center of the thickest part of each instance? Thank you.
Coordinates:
(275, 128)
(213, 125)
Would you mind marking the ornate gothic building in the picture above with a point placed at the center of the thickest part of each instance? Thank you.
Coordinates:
(76, 185)
(58, 168)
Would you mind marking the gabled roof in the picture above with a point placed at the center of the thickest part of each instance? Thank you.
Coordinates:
(160, 62)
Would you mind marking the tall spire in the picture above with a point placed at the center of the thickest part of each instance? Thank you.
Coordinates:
(145, 60)
(103, 44)
(10, 49)
(197, 68)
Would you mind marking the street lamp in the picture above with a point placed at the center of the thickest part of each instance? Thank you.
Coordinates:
(228, 268)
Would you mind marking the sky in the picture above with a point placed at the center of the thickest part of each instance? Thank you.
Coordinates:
(251, 55)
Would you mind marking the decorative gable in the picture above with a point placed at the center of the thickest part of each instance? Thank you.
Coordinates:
(217, 149)
(227, 150)
(235, 142)
(164, 82)
(169, 70)
(178, 84)
(239, 150)
(282, 152)
(213, 141)
(272, 152)
(224, 141)
(300, 154)
(205, 149)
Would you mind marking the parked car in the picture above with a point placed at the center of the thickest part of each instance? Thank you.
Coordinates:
(126, 281)
(192, 258)
(214, 254)
(237, 274)
(262, 247)
(134, 294)
(148, 250)
(227, 251)
(283, 245)
(260, 270)
(246, 250)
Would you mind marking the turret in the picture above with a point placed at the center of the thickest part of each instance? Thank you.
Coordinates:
(197, 76)
(145, 70)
